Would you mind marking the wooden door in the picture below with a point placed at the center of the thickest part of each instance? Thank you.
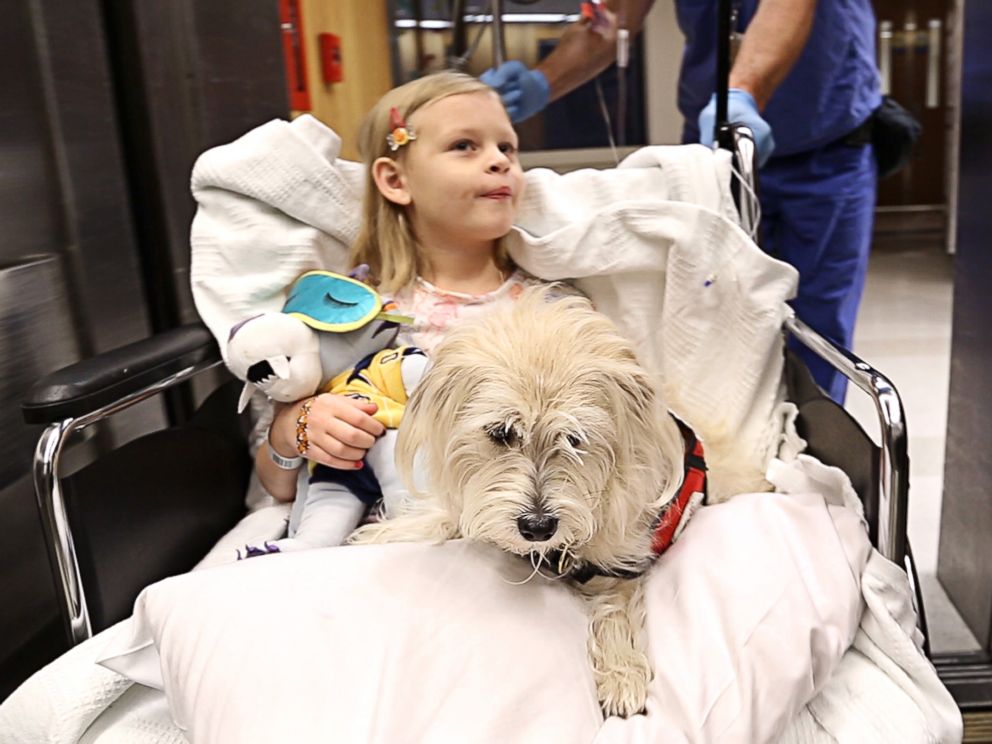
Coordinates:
(913, 41)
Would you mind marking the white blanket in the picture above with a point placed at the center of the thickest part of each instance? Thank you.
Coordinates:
(442, 643)
(652, 246)
(882, 690)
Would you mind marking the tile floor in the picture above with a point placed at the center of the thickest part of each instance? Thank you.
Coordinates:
(904, 331)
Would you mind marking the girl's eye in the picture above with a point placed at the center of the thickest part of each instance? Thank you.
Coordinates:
(507, 148)
(463, 145)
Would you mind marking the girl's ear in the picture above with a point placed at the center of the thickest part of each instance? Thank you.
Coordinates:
(389, 179)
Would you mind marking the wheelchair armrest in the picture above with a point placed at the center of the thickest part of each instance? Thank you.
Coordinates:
(893, 459)
(100, 381)
(135, 516)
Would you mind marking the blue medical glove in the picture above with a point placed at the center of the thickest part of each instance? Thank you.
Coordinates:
(524, 91)
(740, 108)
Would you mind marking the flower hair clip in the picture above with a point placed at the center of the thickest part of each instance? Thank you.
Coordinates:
(400, 133)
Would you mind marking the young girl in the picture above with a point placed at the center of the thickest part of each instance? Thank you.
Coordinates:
(442, 187)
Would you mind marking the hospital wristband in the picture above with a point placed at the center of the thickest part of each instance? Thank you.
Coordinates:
(285, 463)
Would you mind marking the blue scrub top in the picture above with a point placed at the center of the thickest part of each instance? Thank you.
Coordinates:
(831, 90)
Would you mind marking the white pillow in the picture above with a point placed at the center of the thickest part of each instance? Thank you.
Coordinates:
(747, 615)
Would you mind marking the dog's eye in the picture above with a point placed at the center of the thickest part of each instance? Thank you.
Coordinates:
(501, 434)
(573, 440)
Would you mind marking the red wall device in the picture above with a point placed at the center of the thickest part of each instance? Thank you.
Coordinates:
(330, 58)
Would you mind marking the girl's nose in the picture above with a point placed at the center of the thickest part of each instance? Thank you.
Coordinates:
(500, 161)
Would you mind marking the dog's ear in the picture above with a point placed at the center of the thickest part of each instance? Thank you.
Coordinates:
(637, 387)
(655, 443)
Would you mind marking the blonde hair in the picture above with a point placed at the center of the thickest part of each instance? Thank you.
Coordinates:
(386, 241)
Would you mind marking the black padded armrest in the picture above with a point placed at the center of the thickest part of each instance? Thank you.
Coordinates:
(834, 437)
(91, 384)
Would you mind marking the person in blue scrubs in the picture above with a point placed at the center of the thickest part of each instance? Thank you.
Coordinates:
(805, 81)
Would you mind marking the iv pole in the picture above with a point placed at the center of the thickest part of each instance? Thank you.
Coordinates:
(499, 40)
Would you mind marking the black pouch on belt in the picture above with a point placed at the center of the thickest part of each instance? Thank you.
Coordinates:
(894, 132)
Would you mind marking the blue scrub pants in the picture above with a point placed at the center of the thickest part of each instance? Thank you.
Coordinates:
(817, 210)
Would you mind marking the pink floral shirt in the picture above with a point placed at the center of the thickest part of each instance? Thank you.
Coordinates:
(434, 310)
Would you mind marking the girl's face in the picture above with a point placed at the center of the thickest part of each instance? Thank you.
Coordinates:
(460, 179)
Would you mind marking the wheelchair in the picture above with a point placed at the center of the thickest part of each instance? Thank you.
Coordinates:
(153, 507)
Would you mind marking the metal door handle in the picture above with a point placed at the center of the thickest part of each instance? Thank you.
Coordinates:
(885, 55)
(934, 28)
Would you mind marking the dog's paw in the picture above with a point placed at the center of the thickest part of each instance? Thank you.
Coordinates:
(369, 534)
(422, 527)
(624, 692)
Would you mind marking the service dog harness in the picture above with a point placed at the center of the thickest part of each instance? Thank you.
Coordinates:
(667, 527)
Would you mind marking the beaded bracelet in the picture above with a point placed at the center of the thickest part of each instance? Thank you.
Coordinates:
(302, 440)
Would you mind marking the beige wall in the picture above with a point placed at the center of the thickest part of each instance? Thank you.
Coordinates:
(662, 59)
(362, 26)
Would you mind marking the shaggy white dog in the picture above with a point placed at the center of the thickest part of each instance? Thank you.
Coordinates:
(537, 430)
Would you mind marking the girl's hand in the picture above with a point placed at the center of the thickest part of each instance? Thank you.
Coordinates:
(340, 430)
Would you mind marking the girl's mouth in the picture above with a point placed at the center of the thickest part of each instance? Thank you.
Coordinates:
(500, 193)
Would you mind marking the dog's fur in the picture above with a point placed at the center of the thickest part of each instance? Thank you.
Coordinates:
(543, 409)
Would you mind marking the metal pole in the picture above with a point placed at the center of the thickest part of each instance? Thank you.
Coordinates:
(61, 551)
(459, 33)
(721, 133)
(499, 42)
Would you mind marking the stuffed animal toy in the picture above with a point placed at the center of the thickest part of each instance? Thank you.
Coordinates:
(334, 334)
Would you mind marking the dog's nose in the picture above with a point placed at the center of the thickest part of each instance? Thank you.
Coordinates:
(537, 528)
